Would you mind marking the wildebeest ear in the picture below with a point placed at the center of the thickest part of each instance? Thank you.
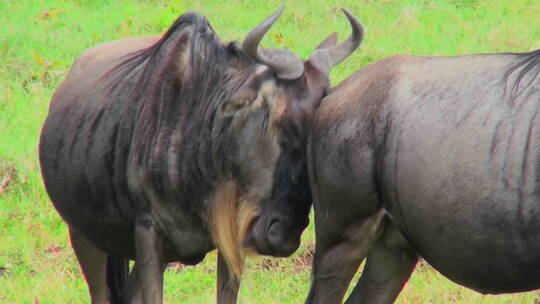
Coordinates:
(247, 93)
(331, 40)
(243, 97)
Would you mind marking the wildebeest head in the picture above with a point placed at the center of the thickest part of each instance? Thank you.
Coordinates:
(270, 116)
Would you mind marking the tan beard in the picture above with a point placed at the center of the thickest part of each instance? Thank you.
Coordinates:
(229, 221)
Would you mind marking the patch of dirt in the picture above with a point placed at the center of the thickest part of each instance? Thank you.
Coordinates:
(7, 176)
(53, 249)
(176, 267)
(267, 264)
(303, 261)
(299, 263)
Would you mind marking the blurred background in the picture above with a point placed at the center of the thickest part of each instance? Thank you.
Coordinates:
(39, 40)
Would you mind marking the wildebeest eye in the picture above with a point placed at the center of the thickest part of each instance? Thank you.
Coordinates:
(234, 105)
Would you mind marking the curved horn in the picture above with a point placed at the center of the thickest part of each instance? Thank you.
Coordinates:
(326, 59)
(284, 63)
(330, 41)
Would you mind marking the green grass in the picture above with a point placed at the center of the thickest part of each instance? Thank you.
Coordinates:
(39, 39)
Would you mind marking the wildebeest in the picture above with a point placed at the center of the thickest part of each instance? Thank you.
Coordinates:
(162, 149)
(437, 157)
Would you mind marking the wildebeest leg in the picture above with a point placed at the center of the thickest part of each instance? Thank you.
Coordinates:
(93, 265)
(132, 293)
(388, 267)
(227, 286)
(337, 258)
(150, 262)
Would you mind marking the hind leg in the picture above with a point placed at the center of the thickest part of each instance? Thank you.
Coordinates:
(389, 265)
(132, 292)
(338, 255)
(93, 265)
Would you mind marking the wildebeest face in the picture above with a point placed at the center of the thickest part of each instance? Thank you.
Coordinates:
(269, 116)
(270, 119)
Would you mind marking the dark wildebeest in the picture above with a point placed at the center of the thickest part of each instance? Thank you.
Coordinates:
(162, 149)
(437, 157)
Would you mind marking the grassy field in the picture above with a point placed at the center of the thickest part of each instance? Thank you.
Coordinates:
(39, 39)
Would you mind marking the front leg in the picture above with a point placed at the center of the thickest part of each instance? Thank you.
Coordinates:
(227, 284)
(149, 261)
(338, 255)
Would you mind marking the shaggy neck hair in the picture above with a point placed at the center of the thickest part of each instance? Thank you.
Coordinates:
(182, 81)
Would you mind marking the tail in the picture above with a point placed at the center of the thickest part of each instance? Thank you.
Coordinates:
(117, 274)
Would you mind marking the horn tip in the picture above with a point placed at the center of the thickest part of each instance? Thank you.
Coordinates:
(355, 21)
(349, 15)
(280, 10)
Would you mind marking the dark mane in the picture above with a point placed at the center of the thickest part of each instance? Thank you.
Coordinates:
(177, 86)
(188, 22)
(531, 62)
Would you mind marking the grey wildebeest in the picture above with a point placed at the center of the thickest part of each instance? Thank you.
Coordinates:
(432, 157)
(163, 149)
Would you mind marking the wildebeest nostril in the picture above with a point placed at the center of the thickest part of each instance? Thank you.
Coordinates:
(276, 233)
(282, 239)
